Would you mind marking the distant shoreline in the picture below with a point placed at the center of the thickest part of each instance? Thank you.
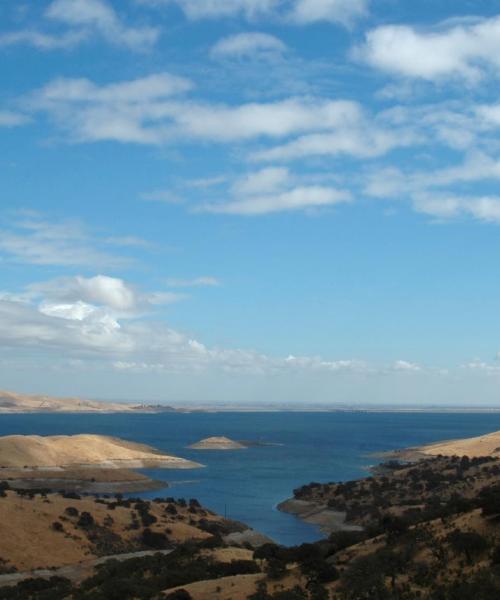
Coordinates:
(235, 409)
(16, 403)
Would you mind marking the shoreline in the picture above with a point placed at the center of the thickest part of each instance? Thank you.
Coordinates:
(327, 519)
(85, 486)
(254, 409)
(330, 520)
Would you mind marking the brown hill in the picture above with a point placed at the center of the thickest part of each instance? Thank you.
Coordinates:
(30, 540)
(483, 445)
(64, 451)
(12, 402)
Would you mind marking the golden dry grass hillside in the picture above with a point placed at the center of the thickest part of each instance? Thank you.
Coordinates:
(33, 451)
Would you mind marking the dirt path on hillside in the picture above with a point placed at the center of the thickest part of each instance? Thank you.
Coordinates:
(75, 572)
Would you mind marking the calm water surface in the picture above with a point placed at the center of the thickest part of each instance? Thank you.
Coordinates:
(248, 484)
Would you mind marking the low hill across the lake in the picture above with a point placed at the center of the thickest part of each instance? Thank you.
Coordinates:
(87, 450)
(13, 402)
(217, 443)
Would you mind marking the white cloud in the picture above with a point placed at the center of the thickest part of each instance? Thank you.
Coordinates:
(335, 11)
(125, 112)
(253, 44)
(390, 182)
(142, 90)
(107, 291)
(317, 363)
(100, 16)
(164, 196)
(12, 119)
(23, 324)
(34, 240)
(84, 19)
(489, 114)
(272, 190)
(145, 111)
(483, 367)
(448, 206)
(273, 119)
(405, 366)
(298, 198)
(130, 241)
(42, 41)
(199, 9)
(103, 291)
(360, 141)
(265, 181)
(196, 282)
(461, 51)
(300, 12)
(82, 331)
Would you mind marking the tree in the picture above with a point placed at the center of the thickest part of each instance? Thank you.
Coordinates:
(468, 543)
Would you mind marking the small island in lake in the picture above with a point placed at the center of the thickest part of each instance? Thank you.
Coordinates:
(217, 443)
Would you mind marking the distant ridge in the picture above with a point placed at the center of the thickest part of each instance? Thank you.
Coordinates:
(13, 402)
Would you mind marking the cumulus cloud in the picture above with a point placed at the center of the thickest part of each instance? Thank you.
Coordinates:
(80, 330)
(108, 291)
(463, 51)
(255, 45)
(405, 366)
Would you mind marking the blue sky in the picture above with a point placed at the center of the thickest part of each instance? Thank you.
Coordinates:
(217, 201)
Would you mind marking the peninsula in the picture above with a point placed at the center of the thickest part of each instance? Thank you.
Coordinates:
(84, 462)
(482, 445)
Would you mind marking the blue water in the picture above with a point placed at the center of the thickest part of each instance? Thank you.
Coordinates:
(248, 484)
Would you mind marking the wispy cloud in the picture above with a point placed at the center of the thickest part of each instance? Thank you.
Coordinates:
(84, 19)
(204, 281)
(12, 119)
(253, 45)
(299, 12)
(274, 190)
(32, 239)
(345, 12)
(146, 111)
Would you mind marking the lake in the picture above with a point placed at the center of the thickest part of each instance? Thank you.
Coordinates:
(247, 484)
